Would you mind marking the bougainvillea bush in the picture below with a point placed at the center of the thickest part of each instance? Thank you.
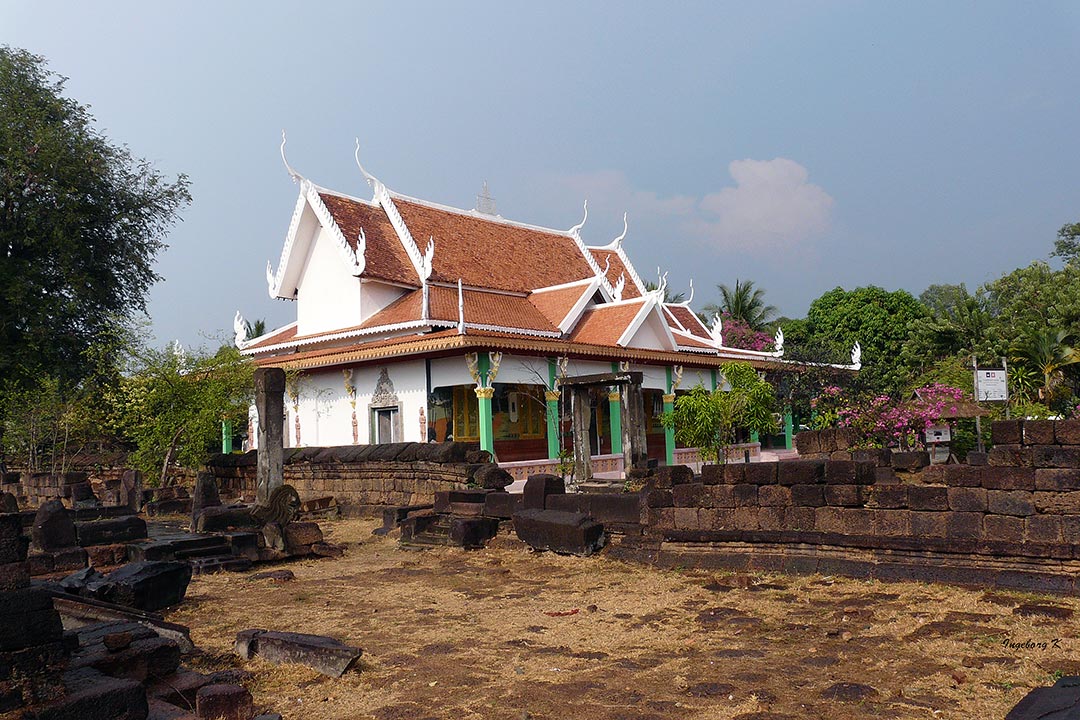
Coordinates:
(738, 334)
(881, 421)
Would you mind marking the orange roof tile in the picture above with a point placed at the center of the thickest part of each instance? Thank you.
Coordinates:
(384, 255)
(556, 304)
(487, 253)
(278, 337)
(689, 320)
(483, 308)
(615, 269)
(605, 324)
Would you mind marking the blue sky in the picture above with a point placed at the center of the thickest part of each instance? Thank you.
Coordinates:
(800, 145)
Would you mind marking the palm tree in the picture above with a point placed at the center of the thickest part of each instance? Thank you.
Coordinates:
(744, 302)
(1047, 352)
(255, 329)
(669, 297)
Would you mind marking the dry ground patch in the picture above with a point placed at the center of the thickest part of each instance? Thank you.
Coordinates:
(508, 633)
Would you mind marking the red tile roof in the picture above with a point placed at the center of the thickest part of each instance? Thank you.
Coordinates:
(486, 308)
(385, 257)
(615, 269)
(605, 324)
(277, 337)
(488, 253)
(689, 320)
(556, 304)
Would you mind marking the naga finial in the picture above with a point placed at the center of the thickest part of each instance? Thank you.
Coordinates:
(367, 176)
(270, 279)
(240, 328)
(691, 298)
(426, 260)
(620, 285)
(717, 329)
(576, 230)
(778, 341)
(856, 356)
(296, 177)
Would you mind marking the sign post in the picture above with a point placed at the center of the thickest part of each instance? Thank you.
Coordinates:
(990, 386)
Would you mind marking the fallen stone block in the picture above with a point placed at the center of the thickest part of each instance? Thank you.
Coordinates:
(50, 561)
(492, 477)
(53, 527)
(323, 654)
(302, 535)
(27, 618)
(225, 517)
(472, 532)
(1062, 700)
(110, 531)
(538, 487)
(173, 506)
(147, 585)
(91, 694)
(561, 532)
(223, 702)
(503, 505)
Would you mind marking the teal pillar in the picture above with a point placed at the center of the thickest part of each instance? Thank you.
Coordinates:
(483, 397)
(551, 397)
(714, 383)
(226, 437)
(669, 432)
(615, 416)
(789, 428)
(754, 437)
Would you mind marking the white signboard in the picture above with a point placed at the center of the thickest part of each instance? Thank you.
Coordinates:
(938, 434)
(991, 385)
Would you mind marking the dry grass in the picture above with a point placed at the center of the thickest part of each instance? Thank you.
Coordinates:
(454, 634)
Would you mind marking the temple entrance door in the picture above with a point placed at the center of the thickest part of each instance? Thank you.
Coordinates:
(384, 425)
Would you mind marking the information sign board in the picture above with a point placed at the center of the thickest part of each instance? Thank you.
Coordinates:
(991, 385)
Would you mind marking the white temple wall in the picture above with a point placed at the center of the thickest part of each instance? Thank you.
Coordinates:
(374, 296)
(328, 297)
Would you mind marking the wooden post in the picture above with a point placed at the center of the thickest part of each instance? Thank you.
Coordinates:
(579, 403)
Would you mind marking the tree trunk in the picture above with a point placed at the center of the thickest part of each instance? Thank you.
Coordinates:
(169, 455)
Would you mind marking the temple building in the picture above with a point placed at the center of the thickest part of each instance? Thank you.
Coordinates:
(421, 322)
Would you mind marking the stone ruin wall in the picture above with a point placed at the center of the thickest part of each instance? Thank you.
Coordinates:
(363, 479)
(1013, 522)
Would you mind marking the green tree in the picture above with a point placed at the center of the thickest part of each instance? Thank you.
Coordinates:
(175, 403)
(743, 302)
(957, 323)
(1047, 352)
(709, 420)
(81, 222)
(1067, 245)
(878, 320)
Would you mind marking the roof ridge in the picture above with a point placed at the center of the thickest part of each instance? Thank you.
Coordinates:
(477, 215)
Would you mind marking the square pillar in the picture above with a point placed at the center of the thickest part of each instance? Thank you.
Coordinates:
(669, 432)
(551, 398)
(270, 404)
(789, 428)
(226, 437)
(487, 434)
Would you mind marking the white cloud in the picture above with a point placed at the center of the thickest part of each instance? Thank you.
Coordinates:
(772, 206)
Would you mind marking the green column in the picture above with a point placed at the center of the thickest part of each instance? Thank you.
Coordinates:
(483, 397)
(714, 383)
(754, 437)
(615, 416)
(789, 428)
(669, 432)
(552, 398)
(226, 437)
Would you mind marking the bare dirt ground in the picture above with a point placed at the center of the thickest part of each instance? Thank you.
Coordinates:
(508, 633)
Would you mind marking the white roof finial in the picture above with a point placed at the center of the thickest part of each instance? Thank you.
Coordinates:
(240, 328)
(620, 285)
(691, 298)
(576, 230)
(460, 309)
(856, 356)
(717, 330)
(367, 176)
(270, 279)
(296, 177)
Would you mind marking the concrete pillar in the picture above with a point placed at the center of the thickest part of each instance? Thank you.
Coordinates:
(615, 416)
(270, 404)
(669, 432)
(789, 428)
(226, 437)
(551, 398)
(483, 398)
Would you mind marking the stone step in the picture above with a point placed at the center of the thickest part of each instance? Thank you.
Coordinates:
(165, 547)
(426, 539)
(221, 548)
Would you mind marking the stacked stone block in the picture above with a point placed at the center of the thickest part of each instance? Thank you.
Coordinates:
(1024, 504)
(361, 478)
(32, 651)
